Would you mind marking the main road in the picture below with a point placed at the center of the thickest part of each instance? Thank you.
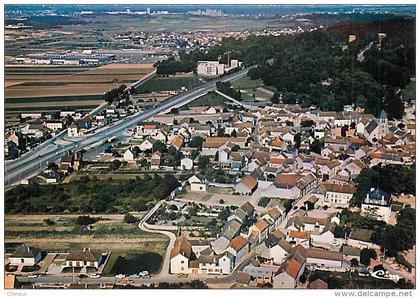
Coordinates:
(29, 165)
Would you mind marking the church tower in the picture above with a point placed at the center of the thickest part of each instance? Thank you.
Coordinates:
(383, 124)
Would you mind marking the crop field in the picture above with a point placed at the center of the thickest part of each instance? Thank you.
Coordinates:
(170, 23)
(109, 233)
(43, 87)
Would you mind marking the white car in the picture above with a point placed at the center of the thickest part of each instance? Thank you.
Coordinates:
(95, 276)
(120, 276)
(32, 276)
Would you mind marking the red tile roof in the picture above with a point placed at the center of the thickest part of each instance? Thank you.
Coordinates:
(238, 243)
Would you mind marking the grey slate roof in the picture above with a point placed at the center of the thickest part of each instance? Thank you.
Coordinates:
(26, 252)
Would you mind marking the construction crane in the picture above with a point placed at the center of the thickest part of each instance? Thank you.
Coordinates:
(228, 53)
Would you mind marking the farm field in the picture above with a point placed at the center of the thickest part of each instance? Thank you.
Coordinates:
(46, 87)
(171, 83)
(109, 233)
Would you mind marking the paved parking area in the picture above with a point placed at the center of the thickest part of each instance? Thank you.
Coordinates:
(46, 262)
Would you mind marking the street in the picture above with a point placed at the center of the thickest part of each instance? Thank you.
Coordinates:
(31, 164)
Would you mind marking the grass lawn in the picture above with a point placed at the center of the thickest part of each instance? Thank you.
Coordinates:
(110, 233)
(249, 90)
(196, 221)
(210, 99)
(173, 83)
(132, 263)
(247, 83)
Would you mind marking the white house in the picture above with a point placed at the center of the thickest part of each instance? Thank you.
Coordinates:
(26, 256)
(291, 270)
(147, 144)
(277, 249)
(338, 195)
(247, 185)
(198, 184)
(187, 163)
(324, 258)
(238, 247)
(84, 258)
(377, 205)
(361, 238)
(181, 254)
(129, 155)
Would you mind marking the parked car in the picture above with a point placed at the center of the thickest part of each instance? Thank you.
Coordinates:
(95, 276)
(83, 275)
(120, 276)
(32, 276)
(182, 275)
(145, 276)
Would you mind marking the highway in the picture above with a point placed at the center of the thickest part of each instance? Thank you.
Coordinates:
(31, 164)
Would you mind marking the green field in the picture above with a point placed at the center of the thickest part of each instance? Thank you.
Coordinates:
(247, 83)
(55, 98)
(14, 111)
(249, 90)
(210, 99)
(132, 263)
(168, 84)
(132, 250)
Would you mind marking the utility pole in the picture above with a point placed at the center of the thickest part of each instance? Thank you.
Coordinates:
(72, 267)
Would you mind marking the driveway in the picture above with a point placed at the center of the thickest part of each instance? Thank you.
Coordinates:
(164, 272)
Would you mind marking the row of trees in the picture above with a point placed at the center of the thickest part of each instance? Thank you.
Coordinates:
(251, 51)
(116, 93)
(392, 238)
(312, 69)
(395, 179)
(226, 88)
(90, 195)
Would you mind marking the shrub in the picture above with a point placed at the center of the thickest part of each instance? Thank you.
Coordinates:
(264, 202)
(130, 218)
(85, 220)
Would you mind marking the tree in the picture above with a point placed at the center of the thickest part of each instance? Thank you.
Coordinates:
(159, 146)
(85, 220)
(288, 205)
(130, 218)
(193, 210)
(307, 123)
(394, 105)
(203, 161)
(194, 154)
(196, 142)
(233, 134)
(238, 95)
(344, 130)
(354, 262)
(275, 99)
(224, 214)
(298, 140)
(316, 146)
(115, 165)
(221, 132)
(366, 254)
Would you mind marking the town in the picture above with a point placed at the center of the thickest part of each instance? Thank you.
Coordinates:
(223, 179)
